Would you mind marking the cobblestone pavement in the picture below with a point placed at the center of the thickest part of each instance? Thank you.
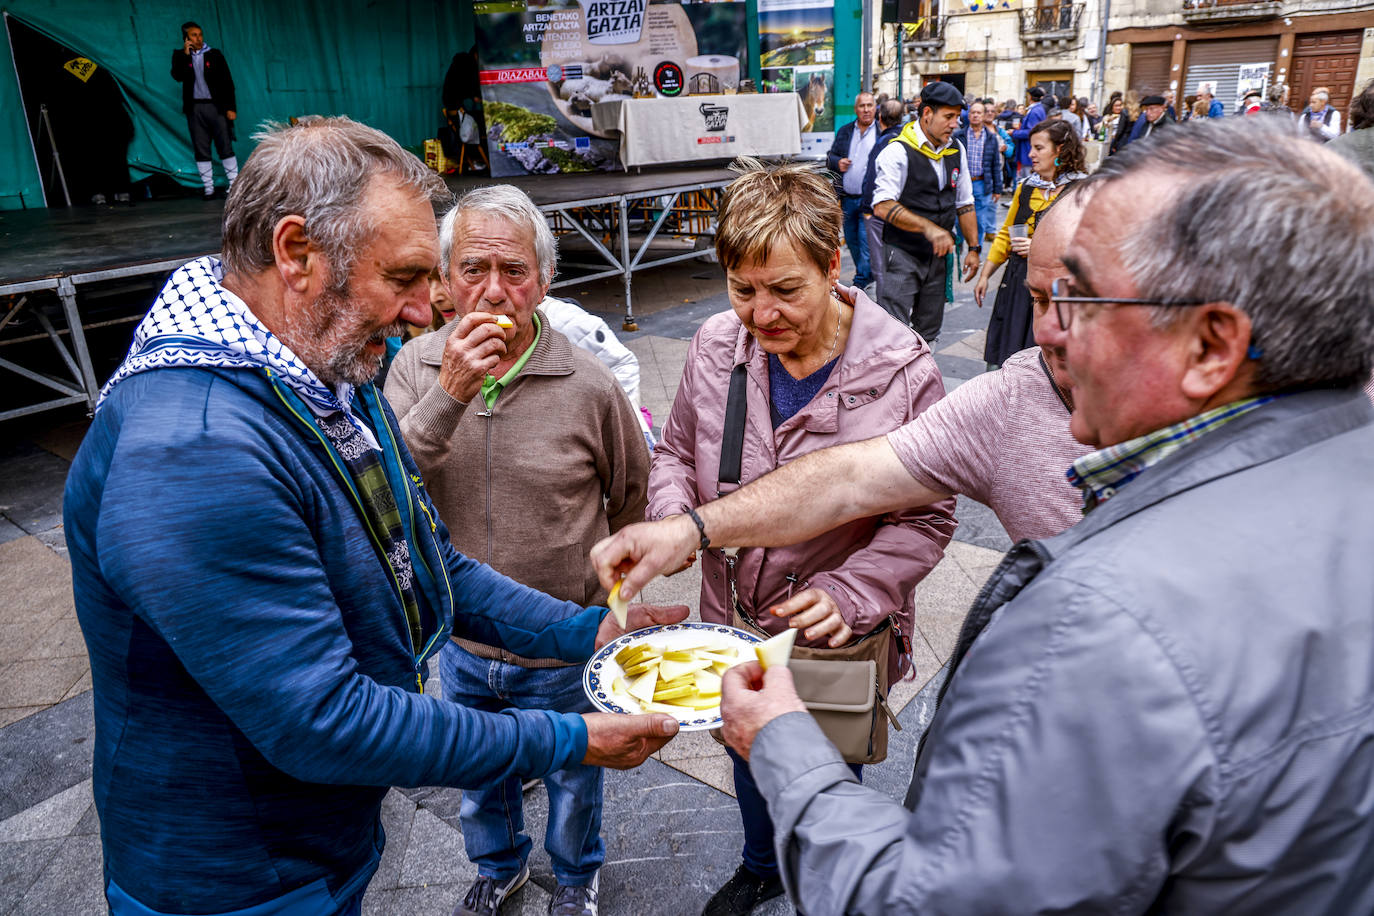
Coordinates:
(672, 831)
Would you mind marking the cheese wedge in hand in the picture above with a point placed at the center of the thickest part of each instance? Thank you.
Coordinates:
(778, 650)
(619, 606)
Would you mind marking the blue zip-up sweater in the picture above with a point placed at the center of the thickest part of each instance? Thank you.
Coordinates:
(256, 690)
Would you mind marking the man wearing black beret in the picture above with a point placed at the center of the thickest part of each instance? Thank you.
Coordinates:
(1153, 115)
(922, 189)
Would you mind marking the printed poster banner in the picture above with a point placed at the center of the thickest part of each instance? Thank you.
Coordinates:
(546, 66)
(797, 54)
(1251, 78)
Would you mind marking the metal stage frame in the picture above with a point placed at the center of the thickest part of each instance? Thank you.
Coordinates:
(689, 208)
(83, 385)
(620, 216)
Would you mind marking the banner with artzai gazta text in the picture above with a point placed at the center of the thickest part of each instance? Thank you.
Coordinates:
(797, 54)
(546, 67)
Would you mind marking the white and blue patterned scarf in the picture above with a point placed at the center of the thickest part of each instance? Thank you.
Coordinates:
(1044, 184)
(197, 322)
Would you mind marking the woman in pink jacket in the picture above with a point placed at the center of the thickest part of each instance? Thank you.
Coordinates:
(822, 366)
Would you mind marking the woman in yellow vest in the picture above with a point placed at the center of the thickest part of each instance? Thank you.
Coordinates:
(1056, 155)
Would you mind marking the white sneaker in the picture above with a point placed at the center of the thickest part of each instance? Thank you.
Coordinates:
(576, 901)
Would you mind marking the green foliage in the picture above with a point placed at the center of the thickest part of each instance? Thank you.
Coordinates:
(566, 161)
(518, 123)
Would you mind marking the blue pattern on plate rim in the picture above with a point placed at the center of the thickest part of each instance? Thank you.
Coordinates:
(591, 675)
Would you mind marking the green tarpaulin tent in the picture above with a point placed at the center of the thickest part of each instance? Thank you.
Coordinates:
(382, 63)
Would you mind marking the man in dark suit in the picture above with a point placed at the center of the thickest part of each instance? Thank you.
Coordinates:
(1153, 115)
(207, 100)
(848, 158)
(984, 167)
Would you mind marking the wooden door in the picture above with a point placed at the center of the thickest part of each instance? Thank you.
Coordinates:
(1325, 59)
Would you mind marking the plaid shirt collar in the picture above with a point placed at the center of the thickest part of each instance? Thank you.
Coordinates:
(1102, 473)
(976, 139)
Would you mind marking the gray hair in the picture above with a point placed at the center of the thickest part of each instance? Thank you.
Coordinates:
(318, 169)
(1274, 224)
(1323, 95)
(511, 204)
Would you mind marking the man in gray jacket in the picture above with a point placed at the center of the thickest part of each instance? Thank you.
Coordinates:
(1170, 706)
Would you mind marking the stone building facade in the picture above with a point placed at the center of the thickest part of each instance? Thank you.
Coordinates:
(1093, 47)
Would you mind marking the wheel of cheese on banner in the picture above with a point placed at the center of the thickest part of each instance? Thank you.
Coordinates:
(583, 72)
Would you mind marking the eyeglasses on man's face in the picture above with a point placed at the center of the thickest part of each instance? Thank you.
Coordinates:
(1059, 289)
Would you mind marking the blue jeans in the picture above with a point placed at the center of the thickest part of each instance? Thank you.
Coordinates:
(493, 818)
(758, 855)
(985, 207)
(857, 239)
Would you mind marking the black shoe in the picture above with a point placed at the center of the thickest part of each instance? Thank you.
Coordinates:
(486, 895)
(742, 893)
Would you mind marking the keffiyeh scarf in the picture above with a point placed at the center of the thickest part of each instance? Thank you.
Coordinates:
(197, 322)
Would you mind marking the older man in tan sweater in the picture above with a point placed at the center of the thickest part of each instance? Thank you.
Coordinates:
(532, 454)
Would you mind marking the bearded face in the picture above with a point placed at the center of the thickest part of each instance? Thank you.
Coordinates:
(338, 338)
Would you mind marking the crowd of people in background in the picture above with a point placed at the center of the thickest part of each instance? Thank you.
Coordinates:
(1128, 115)
(912, 231)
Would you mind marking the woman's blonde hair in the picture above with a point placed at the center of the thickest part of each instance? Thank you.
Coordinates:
(1131, 102)
(772, 205)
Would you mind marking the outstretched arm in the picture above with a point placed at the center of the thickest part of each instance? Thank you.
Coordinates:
(843, 483)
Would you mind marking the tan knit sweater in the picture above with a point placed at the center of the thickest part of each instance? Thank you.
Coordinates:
(530, 486)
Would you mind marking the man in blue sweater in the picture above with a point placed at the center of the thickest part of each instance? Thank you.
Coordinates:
(1034, 115)
(261, 576)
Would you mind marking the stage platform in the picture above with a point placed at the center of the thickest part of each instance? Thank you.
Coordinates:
(52, 253)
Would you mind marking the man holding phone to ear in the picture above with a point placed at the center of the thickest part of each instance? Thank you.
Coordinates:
(207, 99)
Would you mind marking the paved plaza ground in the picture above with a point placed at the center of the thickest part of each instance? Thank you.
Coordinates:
(671, 827)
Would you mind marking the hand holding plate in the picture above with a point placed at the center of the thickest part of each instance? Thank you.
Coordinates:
(623, 742)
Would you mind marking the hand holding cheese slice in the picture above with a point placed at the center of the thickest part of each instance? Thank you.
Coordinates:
(618, 605)
(778, 650)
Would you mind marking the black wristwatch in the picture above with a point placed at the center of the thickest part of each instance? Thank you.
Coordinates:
(976, 249)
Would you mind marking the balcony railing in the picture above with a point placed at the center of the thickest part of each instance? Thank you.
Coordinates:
(1230, 10)
(1060, 20)
(926, 36)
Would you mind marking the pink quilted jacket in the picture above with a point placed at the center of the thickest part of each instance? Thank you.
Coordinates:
(885, 377)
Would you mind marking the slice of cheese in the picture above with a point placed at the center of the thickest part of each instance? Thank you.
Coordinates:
(708, 682)
(672, 670)
(778, 650)
(663, 695)
(696, 702)
(629, 702)
(644, 685)
(503, 322)
(619, 607)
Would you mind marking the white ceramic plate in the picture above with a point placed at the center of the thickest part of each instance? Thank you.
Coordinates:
(602, 669)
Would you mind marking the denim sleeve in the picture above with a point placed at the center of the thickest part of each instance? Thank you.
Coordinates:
(242, 599)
